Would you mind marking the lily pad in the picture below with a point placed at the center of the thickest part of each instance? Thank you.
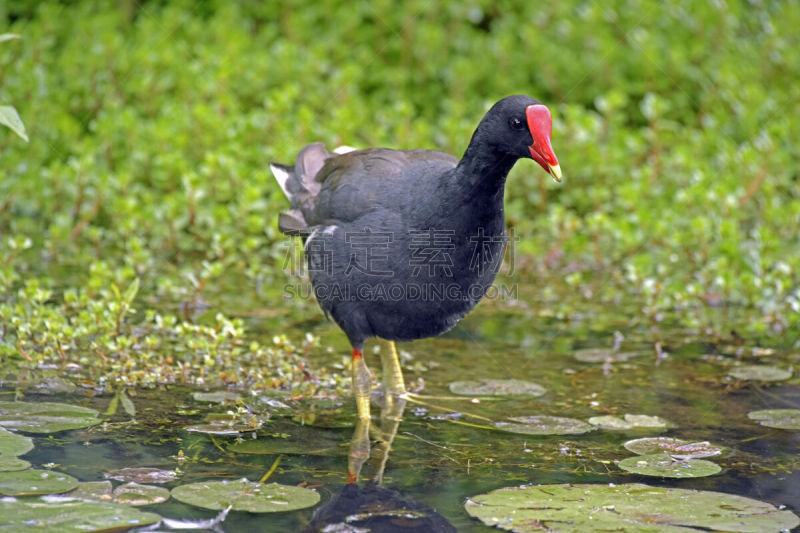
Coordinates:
(662, 465)
(142, 475)
(46, 417)
(35, 482)
(227, 424)
(136, 494)
(213, 429)
(55, 385)
(629, 422)
(222, 396)
(676, 448)
(267, 446)
(71, 516)
(630, 507)
(14, 444)
(245, 495)
(777, 418)
(221, 428)
(601, 355)
(91, 490)
(544, 425)
(12, 463)
(497, 387)
(759, 373)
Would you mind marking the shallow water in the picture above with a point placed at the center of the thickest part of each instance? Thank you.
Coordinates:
(441, 459)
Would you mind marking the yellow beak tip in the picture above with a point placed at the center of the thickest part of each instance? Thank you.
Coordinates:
(555, 171)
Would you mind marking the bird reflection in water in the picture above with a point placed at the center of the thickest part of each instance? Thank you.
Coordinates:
(370, 507)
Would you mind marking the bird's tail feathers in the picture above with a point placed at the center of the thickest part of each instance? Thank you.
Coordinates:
(299, 185)
(282, 174)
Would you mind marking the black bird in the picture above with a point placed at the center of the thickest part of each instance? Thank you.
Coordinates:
(401, 244)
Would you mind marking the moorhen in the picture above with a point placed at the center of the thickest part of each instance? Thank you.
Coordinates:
(401, 244)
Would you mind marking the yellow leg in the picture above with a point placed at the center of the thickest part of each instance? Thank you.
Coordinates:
(393, 383)
(362, 384)
(394, 386)
(359, 450)
(391, 416)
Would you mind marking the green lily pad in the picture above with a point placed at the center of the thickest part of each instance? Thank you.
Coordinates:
(14, 444)
(136, 494)
(777, 418)
(544, 425)
(601, 355)
(142, 475)
(227, 424)
(497, 387)
(71, 516)
(676, 448)
(55, 385)
(45, 417)
(222, 396)
(629, 422)
(759, 373)
(12, 463)
(267, 446)
(630, 507)
(662, 465)
(35, 482)
(245, 495)
(92, 490)
(221, 428)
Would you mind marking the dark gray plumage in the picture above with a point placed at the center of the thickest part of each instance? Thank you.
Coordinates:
(402, 244)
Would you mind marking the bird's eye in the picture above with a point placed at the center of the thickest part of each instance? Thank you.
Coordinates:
(515, 123)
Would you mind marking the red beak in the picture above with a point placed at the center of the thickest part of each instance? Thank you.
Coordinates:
(541, 125)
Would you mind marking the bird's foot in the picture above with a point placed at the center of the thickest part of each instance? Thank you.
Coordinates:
(422, 400)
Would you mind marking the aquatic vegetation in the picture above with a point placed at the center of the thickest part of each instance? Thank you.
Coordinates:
(45, 417)
(245, 495)
(148, 162)
(142, 280)
(626, 507)
(497, 387)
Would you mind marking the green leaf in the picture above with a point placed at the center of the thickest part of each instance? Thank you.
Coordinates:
(136, 494)
(222, 396)
(10, 463)
(71, 516)
(8, 37)
(35, 482)
(112, 405)
(9, 117)
(497, 387)
(14, 444)
(45, 417)
(127, 404)
(630, 507)
(544, 425)
(777, 418)
(602, 355)
(130, 292)
(629, 422)
(663, 465)
(676, 448)
(245, 495)
(272, 446)
(92, 490)
(142, 475)
(759, 373)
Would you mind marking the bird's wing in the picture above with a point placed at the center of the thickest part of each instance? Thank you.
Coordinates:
(355, 183)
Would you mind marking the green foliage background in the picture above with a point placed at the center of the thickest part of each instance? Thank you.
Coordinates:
(151, 124)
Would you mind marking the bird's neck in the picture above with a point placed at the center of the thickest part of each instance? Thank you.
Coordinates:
(482, 171)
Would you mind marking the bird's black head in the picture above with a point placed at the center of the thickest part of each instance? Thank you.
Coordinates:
(520, 126)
